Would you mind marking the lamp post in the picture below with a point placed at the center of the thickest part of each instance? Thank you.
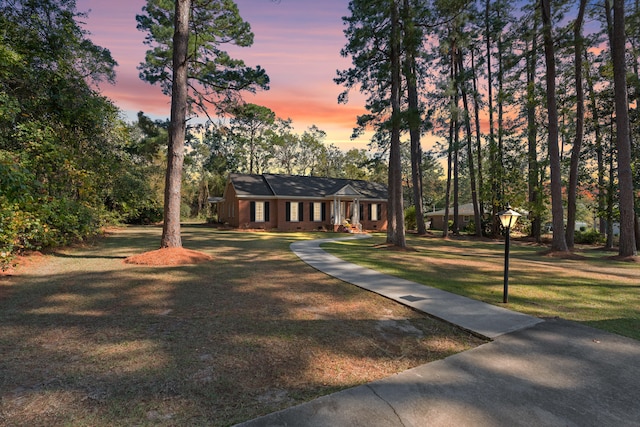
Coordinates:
(508, 218)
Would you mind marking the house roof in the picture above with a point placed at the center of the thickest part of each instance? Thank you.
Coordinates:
(271, 185)
(250, 185)
(466, 209)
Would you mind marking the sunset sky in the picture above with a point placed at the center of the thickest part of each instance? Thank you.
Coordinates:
(298, 42)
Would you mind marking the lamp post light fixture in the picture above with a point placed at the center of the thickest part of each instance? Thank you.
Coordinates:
(508, 218)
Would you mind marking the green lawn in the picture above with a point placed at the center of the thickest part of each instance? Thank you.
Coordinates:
(593, 289)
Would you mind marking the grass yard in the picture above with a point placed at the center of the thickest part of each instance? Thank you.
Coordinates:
(87, 340)
(592, 289)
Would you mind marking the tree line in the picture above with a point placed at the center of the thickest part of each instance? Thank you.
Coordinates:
(70, 163)
(532, 106)
(64, 153)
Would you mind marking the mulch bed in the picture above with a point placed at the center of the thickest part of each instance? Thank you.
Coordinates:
(169, 257)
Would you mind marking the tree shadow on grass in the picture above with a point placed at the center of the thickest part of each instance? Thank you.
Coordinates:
(256, 330)
(87, 256)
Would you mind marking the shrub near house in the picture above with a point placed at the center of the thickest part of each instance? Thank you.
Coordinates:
(292, 203)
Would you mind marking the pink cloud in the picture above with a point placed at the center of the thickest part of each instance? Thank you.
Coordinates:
(298, 42)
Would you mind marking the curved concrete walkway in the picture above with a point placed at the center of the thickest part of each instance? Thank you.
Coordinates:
(484, 319)
(534, 373)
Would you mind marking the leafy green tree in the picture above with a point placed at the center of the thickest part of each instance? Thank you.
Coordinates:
(55, 128)
(286, 146)
(149, 137)
(330, 162)
(186, 59)
(249, 126)
(146, 149)
(356, 164)
(434, 182)
(311, 148)
(223, 157)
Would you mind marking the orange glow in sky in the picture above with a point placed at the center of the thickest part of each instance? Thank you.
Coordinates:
(297, 42)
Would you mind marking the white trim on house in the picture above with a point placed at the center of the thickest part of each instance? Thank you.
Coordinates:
(347, 191)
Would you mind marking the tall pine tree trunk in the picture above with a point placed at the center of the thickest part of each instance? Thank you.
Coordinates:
(610, 191)
(595, 117)
(416, 157)
(456, 140)
(177, 129)
(536, 205)
(476, 111)
(456, 176)
(413, 115)
(577, 143)
(447, 197)
(493, 149)
(623, 136)
(472, 172)
(501, 131)
(636, 72)
(559, 242)
(395, 228)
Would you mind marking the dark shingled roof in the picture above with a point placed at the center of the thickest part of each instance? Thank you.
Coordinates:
(302, 186)
(250, 185)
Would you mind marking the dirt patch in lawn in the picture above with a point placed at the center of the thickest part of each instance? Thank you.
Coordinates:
(394, 248)
(632, 259)
(86, 339)
(562, 255)
(21, 262)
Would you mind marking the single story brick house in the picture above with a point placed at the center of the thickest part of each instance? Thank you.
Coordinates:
(294, 203)
(465, 216)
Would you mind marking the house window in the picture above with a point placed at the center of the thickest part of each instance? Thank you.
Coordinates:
(317, 212)
(375, 211)
(294, 212)
(259, 212)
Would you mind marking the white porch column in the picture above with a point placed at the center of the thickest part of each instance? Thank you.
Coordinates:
(355, 216)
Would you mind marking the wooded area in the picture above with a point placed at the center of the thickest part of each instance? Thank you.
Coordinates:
(533, 104)
(532, 135)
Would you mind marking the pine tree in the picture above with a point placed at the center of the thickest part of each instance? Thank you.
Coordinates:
(623, 137)
(559, 242)
(374, 42)
(196, 72)
(572, 188)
